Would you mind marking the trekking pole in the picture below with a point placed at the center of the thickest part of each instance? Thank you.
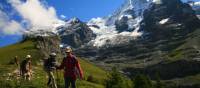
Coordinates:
(57, 77)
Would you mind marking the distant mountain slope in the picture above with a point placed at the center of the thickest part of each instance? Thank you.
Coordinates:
(169, 43)
(164, 28)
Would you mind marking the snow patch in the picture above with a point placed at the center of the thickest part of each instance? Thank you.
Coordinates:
(157, 1)
(198, 16)
(163, 21)
(195, 3)
(128, 16)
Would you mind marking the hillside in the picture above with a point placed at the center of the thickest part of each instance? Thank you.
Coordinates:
(39, 80)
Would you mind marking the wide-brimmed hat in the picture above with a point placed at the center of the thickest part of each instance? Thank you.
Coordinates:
(68, 50)
(53, 54)
(28, 56)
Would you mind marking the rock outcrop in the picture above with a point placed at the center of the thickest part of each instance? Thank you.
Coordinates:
(76, 34)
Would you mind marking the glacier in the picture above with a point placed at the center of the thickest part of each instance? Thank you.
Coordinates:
(107, 33)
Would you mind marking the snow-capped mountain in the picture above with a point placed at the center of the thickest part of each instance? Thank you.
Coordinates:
(125, 24)
(126, 21)
(139, 23)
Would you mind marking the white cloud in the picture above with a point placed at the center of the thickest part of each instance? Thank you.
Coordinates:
(9, 27)
(36, 13)
(63, 16)
(197, 3)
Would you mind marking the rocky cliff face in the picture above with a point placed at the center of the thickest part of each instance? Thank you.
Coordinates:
(45, 44)
(76, 33)
(170, 18)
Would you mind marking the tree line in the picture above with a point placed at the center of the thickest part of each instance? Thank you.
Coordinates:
(117, 80)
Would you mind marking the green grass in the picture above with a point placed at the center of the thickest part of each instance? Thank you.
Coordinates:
(98, 75)
(176, 55)
(8, 53)
(95, 74)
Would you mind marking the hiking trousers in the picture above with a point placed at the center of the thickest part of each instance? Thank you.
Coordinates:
(51, 81)
(26, 75)
(70, 81)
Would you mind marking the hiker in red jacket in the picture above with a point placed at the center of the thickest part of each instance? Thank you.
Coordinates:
(72, 69)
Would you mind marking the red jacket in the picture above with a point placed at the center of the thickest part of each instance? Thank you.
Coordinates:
(71, 67)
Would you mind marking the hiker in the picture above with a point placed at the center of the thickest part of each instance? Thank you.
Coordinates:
(72, 69)
(16, 60)
(50, 67)
(26, 68)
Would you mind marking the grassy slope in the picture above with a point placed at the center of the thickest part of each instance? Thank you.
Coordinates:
(39, 80)
(8, 53)
(192, 43)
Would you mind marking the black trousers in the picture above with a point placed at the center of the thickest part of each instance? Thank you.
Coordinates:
(69, 81)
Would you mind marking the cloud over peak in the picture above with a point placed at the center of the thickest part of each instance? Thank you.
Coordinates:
(35, 13)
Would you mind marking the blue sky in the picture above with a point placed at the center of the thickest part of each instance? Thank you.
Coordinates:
(83, 9)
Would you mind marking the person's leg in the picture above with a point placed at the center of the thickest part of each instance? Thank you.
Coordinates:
(67, 82)
(53, 79)
(49, 78)
(22, 75)
(25, 76)
(25, 73)
(29, 75)
(73, 83)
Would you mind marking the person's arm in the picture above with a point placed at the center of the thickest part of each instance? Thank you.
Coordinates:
(62, 64)
(79, 69)
(30, 66)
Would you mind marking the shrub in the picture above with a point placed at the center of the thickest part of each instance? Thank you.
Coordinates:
(117, 80)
